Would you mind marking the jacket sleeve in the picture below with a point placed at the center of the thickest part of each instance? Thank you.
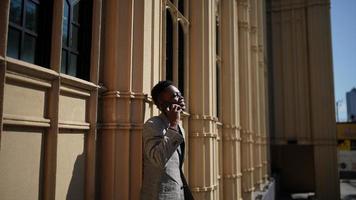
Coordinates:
(159, 147)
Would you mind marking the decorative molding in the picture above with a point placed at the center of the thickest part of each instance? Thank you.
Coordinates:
(254, 48)
(74, 91)
(205, 189)
(244, 25)
(202, 135)
(203, 117)
(253, 29)
(27, 80)
(232, 126)
(136, 126)
(9, 119)
(117, 94)
(232, 176)
(243, 3)
(29, 69)
(77, 82)
(73, 125)
(114, 126)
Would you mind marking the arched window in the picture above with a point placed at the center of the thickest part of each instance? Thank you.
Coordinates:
(175, 34)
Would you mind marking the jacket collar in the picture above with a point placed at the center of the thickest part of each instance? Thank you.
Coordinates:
(166, 122)
(164, 118)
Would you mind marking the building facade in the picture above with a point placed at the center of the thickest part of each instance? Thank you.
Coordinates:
(303, 139)
(75, 91)
(351, 104)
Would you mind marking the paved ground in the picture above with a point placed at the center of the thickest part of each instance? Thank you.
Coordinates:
(348, 189)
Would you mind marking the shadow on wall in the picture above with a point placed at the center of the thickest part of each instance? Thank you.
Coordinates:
(76, 186)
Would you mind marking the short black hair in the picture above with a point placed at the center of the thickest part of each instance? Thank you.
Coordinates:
(159, 88)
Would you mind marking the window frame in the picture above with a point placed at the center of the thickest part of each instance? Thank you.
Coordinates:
(179, 58)
(42, 34)
(84, 39)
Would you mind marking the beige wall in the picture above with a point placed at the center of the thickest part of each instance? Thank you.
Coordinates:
(70, 166)
(21, 158)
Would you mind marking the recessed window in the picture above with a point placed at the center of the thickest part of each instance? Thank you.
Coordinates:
(76, 38)
(218, 58)
(175, 24)
(28, 31)
(169, 46)
(181, 58)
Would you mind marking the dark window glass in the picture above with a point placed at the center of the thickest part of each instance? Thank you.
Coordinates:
(217, 35)
(75, 34)
(76, 38)
(65, 23)
(218, 66)
(72, 70)
(29, 49)
(181, 47)
(169, 46)
(64, 61)
(76, 12)
(16, 11)
(181, 6)
(218, 85)
(29, 32)
(13, 43)
(32, 12)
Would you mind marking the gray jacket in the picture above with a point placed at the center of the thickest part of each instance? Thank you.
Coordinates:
(163, 154)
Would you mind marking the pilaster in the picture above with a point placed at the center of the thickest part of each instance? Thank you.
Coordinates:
(120, 145)
(203, 124)
(245, 97)
(4, 6)
(263, 80)
(230, 100)
(255, 97)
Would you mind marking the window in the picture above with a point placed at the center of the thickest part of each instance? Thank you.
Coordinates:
(218, 57)
(76, 38)
(169, 46)
(29, 31)
(175, 27)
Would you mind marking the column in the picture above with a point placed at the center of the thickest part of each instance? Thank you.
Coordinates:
(202, 127)
(230, 101)
(245, 103)
(255, 97)
(122, 103)
(262, 77)
(260, 74)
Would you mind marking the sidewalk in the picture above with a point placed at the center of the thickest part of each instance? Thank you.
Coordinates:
(348, 189)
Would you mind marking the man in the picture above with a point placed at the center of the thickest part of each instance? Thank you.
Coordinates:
(163, 147)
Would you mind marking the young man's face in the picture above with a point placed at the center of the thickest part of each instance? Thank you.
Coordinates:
(171, 95)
